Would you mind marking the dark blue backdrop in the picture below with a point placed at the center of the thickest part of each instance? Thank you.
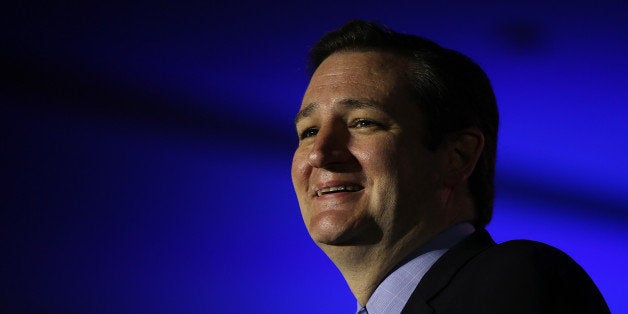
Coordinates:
(146, 147)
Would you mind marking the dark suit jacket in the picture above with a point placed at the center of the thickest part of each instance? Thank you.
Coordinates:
(479, 276)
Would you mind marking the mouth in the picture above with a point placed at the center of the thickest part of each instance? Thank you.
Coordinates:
(338, 189)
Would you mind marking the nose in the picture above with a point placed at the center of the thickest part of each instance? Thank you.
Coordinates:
(330, 147)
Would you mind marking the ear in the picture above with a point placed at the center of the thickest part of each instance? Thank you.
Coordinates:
(461, 151)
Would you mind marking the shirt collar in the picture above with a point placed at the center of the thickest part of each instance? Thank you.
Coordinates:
(393, 293)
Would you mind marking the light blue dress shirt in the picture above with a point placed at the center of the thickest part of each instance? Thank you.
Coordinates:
(394, 292)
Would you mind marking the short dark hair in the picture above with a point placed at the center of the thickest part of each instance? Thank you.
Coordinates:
(452, 91)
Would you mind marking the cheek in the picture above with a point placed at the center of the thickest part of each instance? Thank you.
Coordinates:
(418, 175)
(300, 173)
(300, 176)
(375, 149)
(380, 161)
(299, 164)
(380, 158)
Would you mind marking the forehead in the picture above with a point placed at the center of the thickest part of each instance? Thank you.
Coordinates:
(360, 72)
(373, 75)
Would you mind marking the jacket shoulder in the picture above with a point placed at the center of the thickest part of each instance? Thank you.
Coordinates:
(521, 276)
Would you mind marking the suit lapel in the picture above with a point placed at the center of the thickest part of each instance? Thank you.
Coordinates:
(437, 278)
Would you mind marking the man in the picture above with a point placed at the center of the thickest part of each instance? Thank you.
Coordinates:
(394, 178)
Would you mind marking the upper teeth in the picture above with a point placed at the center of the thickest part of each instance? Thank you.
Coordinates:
(338, 188)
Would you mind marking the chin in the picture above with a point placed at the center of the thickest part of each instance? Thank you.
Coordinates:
(326, 231)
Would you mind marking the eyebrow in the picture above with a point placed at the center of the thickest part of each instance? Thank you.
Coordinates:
(349, 103)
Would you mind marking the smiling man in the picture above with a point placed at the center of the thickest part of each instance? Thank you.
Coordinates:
(394, 178)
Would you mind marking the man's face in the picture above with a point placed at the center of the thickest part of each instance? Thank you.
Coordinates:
(361, 172)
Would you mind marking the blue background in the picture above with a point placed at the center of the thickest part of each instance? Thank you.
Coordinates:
(146, 146)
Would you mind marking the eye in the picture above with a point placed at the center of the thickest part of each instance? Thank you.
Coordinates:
(365, 123)
(309, 132)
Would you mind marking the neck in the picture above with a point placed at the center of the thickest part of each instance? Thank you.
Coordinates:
(364, 267)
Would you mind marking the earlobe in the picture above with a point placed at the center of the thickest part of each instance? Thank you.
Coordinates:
(463, 149)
